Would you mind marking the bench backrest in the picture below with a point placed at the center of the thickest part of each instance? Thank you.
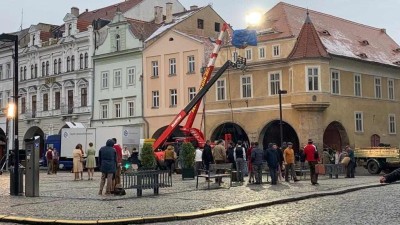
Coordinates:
(146, 179)
(223, 166)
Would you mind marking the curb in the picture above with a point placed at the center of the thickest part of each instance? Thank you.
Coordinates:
(188, 215)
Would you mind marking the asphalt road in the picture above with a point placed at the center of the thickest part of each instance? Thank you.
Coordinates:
(368, 206)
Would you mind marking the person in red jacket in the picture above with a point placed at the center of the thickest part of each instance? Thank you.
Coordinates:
(118, 150)
(312, 157)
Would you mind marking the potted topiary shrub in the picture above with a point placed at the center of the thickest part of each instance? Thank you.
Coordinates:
(148, 160)
(187, 159)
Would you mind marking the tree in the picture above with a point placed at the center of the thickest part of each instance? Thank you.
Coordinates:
(148, 159)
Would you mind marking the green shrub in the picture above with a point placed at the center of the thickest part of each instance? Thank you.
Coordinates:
(187, 155)
(148, 159)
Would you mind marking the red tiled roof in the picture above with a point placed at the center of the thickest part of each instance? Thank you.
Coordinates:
(308, 44)
(45, 36)
(109, 11)
(82, 25)
(142, 29)
(342, 37)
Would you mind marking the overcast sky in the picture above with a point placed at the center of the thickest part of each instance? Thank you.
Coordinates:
(376, 13)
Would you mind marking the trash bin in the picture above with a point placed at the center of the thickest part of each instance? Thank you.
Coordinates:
(21, 172)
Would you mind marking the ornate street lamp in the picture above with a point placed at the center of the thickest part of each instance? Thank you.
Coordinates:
(14, 38)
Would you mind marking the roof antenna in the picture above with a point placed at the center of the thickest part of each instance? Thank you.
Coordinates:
(22, 18)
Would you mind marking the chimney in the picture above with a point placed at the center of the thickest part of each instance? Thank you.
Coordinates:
(158, 14)
(193, 7)
(168, 15)
(75, 11)
(383, 30)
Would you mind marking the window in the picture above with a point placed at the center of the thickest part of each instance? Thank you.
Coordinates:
(23, 105)
(154, 65)
(32, 71)
(24, 72)
(81, 61)
(335, 79)
(391, 89)
(69, 29)
(117, 110)
(33, 104)
(276, 50)
(36, 70)
(117, 42)
(104, 79)
(155, 99)
(173, 94)
(221, 90)
(378, 90)
(357, 85)
(261, 53)
(192, 93)
(200, 23)
(392, 124)
(234, 56)
(8, 70)
(131, 76)
(59, 66)
(191, 63)
(246, 86)
(117, 78)
(57, 98)
(104, 111)
(45, 102)
(312, 77)
(7, 97)
(274, 83)
(72, 63)
(68, 63)
(248, 54)
(55, 66)
(43, 69)
(84, 97)
(359, 121)
(21, 74)
(131, 108)
(86, 60)
(1, 73)
(217, 27)
(172, 66)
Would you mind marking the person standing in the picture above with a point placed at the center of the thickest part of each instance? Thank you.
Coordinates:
(288, 156)
(207, 156)
(272, 159)
(219, 155)
(249, 163)
(56, 158)
(198, 160)
(77, 161)
(118, 150)
(230, 151)
(49, 158)
(312, 157)
(108, 166)
(90, 160)
(240, 159)
(256, 158)
(169, 158)
(126, 154)
(352, 162)
(82, 160)
(135, 159)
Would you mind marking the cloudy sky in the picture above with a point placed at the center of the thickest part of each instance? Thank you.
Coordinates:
(376, 13)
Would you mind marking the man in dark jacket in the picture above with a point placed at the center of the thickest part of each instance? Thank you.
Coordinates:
(352, 163)
(207, 156)
(108, 166)
(257, 157)
(391, 177)
(272, 158)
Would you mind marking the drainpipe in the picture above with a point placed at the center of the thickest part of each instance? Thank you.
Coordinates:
(147, 127)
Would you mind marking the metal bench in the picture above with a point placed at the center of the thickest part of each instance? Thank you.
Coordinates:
(334, 169)
(146, 179)
(216, 171)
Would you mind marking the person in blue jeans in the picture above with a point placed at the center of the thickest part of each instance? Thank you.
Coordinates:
(240, 159)
(272, 158)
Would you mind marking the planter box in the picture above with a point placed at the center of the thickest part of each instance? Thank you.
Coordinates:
(188, 173)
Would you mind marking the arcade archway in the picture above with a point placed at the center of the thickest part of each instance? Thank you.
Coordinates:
(30, 135)
(271, 134)
(236, 131)
(335, 136)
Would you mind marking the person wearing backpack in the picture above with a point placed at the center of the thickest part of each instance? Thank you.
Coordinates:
(312, 157)
(240, 159)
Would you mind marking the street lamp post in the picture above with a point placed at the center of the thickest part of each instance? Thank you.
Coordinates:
(14, 38)
(280, 92)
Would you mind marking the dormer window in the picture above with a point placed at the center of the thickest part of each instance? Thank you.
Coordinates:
(69, 29)
(33, 39)
(325, 32)
(363, 55)
(364, 42)
(117, 42)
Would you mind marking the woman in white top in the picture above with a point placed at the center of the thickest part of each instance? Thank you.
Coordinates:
(199, 160)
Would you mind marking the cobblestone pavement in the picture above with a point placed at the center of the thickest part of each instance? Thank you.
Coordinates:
(368, 206)
(63, 198)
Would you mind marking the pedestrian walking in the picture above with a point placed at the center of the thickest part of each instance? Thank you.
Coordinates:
(219, 155)
(272, 159)
(288, 156)
(312, 157)
(249, 163)
(198, 160)
(56, 158)
(169, 158)
(49, 158)
(90, 160)
(256, 158)
(77, 161)
(207, 156)
(352, 163)
(240, 159)
(108, 166)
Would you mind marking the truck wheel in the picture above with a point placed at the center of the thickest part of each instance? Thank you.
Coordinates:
(373, 167)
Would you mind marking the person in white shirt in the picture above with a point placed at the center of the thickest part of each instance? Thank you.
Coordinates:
(199, 160)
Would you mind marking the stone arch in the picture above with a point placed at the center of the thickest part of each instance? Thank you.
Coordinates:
(271, 134)
(236, 131)
(30, 135)
(335, 136)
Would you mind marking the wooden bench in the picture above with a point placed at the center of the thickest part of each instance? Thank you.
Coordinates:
(216, 171)
(146, 179)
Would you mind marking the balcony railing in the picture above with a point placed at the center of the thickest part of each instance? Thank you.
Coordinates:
(67, 110)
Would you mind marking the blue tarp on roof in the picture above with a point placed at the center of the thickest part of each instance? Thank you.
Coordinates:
(243, 38)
